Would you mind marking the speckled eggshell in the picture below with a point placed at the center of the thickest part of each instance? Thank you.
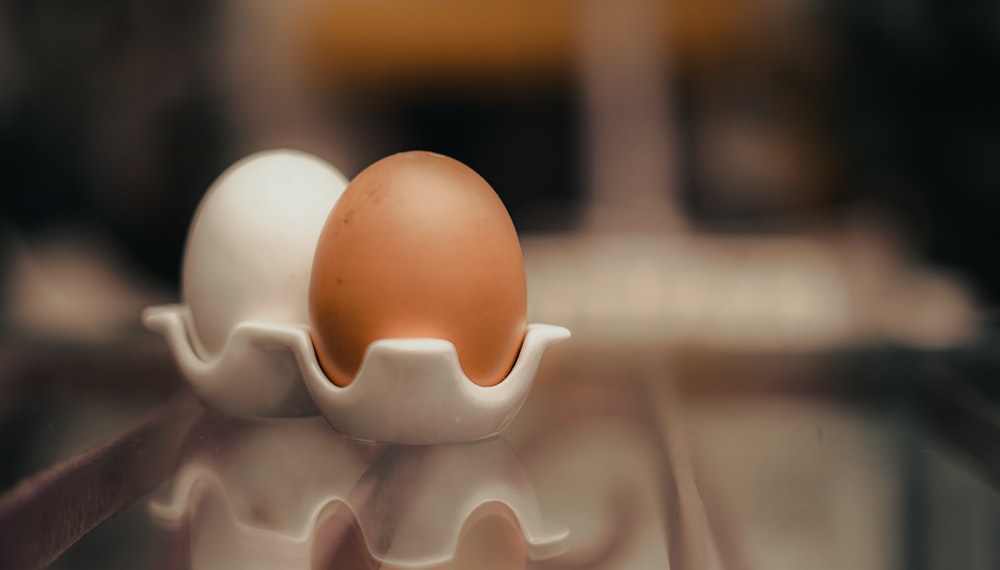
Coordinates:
(419, 246)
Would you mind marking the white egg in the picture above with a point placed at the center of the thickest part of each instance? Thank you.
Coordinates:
(250, 248)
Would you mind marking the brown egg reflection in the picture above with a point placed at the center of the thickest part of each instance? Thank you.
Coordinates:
(419, 245)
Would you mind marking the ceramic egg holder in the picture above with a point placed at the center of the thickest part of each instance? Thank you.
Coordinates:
(409, 391)
(250, 377)
(414, 391)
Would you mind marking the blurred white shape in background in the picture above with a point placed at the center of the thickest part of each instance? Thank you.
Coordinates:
(73, 288)
(630, 157)
(743, 294)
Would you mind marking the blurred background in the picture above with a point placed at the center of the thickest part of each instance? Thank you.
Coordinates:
(790, 201)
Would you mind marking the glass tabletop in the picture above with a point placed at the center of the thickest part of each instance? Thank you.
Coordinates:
(619, 459)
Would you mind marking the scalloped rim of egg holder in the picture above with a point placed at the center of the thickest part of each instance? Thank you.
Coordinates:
(413, 390)
(408, 391)
(250, 377)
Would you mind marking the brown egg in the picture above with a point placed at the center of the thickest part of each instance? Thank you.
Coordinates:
(419, 245)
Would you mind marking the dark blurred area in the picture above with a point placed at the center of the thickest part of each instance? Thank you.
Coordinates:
(116, 114)
(918, 113)
(120, 114)
(110, 119)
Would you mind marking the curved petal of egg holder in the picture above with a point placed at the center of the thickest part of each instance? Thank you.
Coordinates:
(414, 391)
(440, 491)
(251, 377)
(409, 391)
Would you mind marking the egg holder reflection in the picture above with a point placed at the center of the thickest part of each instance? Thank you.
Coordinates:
(411, 504)
(409, 391)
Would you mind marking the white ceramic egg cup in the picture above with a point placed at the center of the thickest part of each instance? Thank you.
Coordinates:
(414, 391)
(249, 378)
(411, 504)
(409, 391)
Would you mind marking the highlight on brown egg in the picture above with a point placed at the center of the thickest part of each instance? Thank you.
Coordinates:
(419, 246)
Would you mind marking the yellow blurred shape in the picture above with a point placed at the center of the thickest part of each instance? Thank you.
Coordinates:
(385, 41)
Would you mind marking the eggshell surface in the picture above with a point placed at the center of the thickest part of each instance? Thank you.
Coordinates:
(419, 246)
(250, 248)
